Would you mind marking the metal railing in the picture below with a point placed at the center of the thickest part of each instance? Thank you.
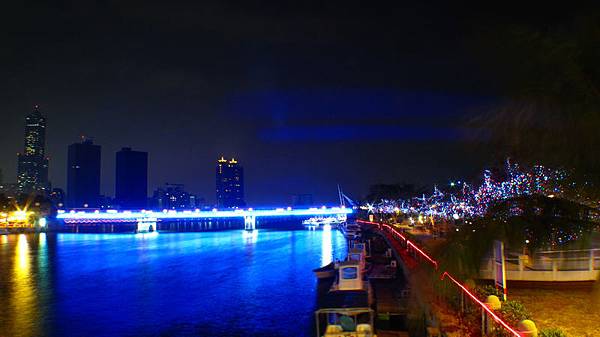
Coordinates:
(565, 265)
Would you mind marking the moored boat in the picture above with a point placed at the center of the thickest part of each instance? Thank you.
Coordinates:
(350, 231)
(346, 308)
(327, 271)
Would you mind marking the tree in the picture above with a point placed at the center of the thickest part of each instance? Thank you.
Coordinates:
(534, 221)
(550, 106)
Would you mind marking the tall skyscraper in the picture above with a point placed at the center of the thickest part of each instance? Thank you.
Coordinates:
(32, 168)
(230, 183)
(83, 174)
(131, 190)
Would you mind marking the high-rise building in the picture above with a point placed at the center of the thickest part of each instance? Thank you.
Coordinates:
(230, 183)
(83, 174)
(32, 168)
(131, 189)
(9, 189)
(57, 197)
(173, 196)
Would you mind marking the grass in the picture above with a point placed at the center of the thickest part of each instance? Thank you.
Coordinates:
(574, 310)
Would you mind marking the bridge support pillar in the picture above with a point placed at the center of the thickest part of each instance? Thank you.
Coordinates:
(144, 226)
(249, 222)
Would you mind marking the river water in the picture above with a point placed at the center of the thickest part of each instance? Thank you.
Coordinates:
(228, 283)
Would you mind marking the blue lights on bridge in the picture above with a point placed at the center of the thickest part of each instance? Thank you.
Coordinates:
(77, 216)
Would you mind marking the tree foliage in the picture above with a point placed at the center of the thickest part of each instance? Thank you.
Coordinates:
(550, 110)
(536, 222)
(514, 312)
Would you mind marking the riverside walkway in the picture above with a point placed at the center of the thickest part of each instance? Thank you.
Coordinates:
(414, 257)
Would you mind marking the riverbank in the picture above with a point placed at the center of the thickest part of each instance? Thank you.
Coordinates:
(427, 312)
(572, 307)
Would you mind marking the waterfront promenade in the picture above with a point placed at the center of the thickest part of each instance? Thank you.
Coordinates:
(548, 280)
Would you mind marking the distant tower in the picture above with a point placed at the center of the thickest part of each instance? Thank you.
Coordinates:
(83, 175)
(32, 168)
(131, 188)
(230, 184)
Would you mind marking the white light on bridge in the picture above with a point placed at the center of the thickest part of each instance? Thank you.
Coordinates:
(129, 215)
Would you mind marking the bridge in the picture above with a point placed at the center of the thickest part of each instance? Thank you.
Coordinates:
(147, 220)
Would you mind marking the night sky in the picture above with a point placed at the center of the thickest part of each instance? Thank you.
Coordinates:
(305, 96)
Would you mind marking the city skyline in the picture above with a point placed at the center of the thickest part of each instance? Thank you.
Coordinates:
(84, 176)
(89, 193)
(334, 107)
(108, 180)
(83, 170)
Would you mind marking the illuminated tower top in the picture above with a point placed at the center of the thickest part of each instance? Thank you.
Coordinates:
(229, 183)
(35, 133)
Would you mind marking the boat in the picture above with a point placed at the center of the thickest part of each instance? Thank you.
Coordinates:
(350, 231)
(357, 256)
(315, 223)
(345, 310)
(327, 271)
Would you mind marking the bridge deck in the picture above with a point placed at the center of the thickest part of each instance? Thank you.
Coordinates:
(136, 216)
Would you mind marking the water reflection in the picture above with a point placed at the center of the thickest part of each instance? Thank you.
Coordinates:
(250, 237)
(201, 284)
(146, 236)
(326, 246)
(42, 255)
(24, 306)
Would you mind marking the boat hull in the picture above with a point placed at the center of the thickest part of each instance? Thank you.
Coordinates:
(327, 271)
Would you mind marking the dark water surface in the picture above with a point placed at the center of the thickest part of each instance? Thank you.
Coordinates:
(169, 284)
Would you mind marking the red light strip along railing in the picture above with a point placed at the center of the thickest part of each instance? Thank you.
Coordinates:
(435, 264)
(408, 242)
(485, 307)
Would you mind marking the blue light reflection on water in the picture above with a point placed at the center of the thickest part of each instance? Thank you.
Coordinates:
(229, 283)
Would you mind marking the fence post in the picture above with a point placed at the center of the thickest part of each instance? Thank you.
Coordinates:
(483, 327)
(486, 323)
(591, 265)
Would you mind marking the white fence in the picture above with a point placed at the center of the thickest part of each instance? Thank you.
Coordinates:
(549, 266)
